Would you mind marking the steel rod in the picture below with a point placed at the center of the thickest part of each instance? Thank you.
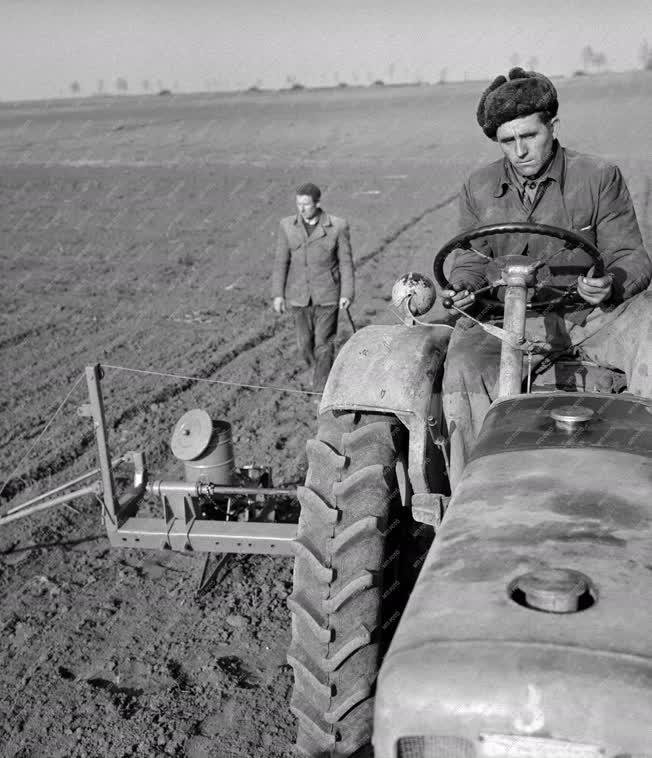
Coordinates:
(511, 358)
(161, 487)
(97, 409)
(49, 493)
(90, 490)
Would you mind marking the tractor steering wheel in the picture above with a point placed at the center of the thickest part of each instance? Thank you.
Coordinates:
(571, 241)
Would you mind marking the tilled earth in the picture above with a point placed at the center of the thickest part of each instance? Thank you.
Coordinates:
(139, 233)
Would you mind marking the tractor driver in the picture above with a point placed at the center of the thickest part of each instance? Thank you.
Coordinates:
(538, 180)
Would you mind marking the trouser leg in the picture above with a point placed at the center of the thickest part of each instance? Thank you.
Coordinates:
(469, 387)
(325, 317)
(622, 339)
(304, 327)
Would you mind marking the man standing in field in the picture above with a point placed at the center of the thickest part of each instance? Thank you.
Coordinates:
(313, 274)
(538, 180)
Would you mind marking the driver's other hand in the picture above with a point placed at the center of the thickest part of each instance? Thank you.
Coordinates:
(279, 304)
(594, 290)
(461, 298)
(345, 302)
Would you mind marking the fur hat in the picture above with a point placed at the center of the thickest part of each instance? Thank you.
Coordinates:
(309, 189)
(525, 93)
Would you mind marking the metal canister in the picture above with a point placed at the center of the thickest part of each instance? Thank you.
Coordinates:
(205, 446)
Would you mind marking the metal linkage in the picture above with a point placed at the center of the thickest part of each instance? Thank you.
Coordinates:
(34, 507)
(46, 500)
(88, 475)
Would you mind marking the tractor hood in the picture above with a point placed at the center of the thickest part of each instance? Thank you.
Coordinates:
(482, 648)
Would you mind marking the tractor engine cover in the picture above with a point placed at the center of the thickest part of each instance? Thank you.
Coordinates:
(531, 618)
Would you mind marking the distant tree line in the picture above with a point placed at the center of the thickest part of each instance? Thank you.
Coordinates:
(121, 85)
(592, 60)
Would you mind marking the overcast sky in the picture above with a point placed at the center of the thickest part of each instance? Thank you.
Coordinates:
(189, 45)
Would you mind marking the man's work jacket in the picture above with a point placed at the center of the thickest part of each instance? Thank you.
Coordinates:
(579, 192)
(315, 269)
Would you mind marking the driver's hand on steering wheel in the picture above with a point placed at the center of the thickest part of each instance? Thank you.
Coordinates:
(594, 290)
(460, 296)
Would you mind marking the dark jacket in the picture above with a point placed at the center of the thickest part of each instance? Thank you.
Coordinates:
(317, 269)
(582, 193)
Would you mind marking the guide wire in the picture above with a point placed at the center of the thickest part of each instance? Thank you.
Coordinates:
(211, 381)
(43, 431)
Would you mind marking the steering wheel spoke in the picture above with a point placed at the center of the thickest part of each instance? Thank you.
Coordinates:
(570, 239)
(472, 249)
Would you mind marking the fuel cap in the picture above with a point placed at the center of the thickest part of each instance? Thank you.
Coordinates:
(191, 435)
(553, 590)
(571, 417)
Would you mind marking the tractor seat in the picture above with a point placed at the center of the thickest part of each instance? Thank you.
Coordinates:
(572, 374)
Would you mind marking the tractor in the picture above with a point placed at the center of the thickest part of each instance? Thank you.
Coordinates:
(527, 631)
(507, 619)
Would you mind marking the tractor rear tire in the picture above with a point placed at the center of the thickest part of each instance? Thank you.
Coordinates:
(346, 579)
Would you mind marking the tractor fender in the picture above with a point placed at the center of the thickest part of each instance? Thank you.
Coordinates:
(395, 369)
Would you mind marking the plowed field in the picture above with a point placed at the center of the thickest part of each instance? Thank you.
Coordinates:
(139, 233)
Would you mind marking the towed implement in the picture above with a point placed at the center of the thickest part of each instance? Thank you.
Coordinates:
(215, 508)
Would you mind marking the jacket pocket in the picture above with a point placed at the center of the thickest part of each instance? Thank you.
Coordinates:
(584, 226)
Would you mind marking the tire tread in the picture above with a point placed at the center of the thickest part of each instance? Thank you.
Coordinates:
(337, 603)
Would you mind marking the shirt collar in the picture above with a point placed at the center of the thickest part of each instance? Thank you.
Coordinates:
(555, 171)
(323, 217)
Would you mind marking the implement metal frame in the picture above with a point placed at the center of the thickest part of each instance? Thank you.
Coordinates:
(179, 528)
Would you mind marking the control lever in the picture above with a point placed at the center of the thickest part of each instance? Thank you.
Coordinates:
(526, 345)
